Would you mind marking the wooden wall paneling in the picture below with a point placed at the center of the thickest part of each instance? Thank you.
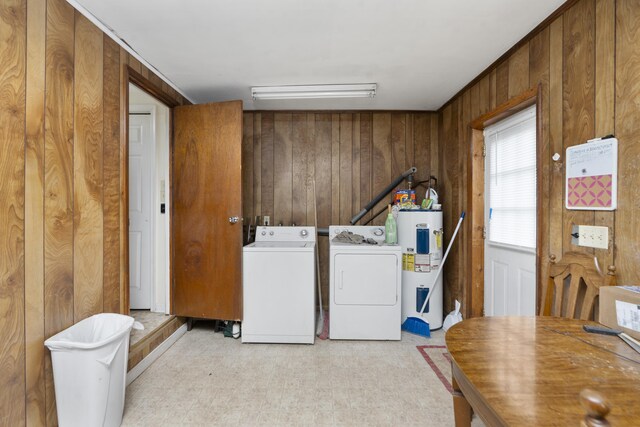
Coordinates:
(475, 219)
(34, 213)
(519, 71)
(267, 164)
(448, 197)
(137, 66)
(578, 96)
(345, 171)
(381, 161)
(88, 179)
(539, 75)
(484, 96)
(434, 143)
(398, 146)
(556, 182)
(13, 44)
(247, 170)
(335, 169)
(323, 132)
(605, 36)
(474, 92)
(502, 83)
(366, 162)
(627, 126)
(257, 165)
(422, 152)
(58, 202)
(410, 144)
(493, 89)
(356, 203)
(124, 182)
(310, 152)
(111, 173)
(463, 246)
(300, 144)
(282, 168)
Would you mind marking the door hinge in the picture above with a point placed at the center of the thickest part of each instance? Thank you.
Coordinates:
(484, 232)
(484, 150)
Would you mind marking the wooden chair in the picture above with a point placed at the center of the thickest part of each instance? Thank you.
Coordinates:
(573, 286)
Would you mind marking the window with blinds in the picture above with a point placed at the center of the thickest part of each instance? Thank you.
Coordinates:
(510, 182)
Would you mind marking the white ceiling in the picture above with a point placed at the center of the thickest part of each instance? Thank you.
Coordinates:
(419, 52)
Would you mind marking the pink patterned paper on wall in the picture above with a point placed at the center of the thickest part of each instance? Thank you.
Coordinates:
(590, 191)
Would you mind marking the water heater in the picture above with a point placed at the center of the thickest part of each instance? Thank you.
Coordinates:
(420, 235)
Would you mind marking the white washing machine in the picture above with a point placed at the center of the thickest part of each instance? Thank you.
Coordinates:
(365, 287)
(278, 286)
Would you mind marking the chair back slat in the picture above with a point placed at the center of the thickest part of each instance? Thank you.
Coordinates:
(573, 286)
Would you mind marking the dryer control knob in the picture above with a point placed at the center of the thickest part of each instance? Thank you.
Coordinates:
(304, 233)
(271, 233)
(264, 233)
(378, 232)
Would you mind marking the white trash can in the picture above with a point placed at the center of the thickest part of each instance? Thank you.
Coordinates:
(89, 370)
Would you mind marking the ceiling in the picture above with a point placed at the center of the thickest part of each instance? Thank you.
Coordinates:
(419, 52)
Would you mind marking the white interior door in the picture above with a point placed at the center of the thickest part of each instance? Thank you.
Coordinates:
(141, 189)
(510, 216)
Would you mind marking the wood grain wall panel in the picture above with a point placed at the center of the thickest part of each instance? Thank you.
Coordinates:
(423, 151)
(627, 126)
(111, 173)
(124, 179)
(539, 75)
(578, 95)
(267, 164)
(484, 95)
(300, 146)
(434, 151)
(323, 135)
(356, 203)
(345, 171)
(502, 83)
(398, 144)
(58, 202)
(247, 170)
(257, 165)
(34, 213)
(409, 150)
(88, 178)
(519, 71)
(335, 168)
(556, 185)
(493, 89)
(282, 169)
(605, 103)
(366, 162)
(13, 44)
(463, 246)
(310, 152)
(381, 162)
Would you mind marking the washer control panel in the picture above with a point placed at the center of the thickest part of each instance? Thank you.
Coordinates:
(285, 234)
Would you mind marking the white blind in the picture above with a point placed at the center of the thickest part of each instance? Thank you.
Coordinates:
(511, 172)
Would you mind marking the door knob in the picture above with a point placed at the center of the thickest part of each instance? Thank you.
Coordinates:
(233, 219)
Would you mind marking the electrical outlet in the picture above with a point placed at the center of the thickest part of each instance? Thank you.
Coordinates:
(593, 237)
(266, 220)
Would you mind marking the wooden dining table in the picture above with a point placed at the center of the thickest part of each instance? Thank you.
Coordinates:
(530, 371)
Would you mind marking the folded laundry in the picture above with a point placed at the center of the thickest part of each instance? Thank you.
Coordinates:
(353, 239)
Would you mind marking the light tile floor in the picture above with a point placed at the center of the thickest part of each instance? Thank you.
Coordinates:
(208, 380)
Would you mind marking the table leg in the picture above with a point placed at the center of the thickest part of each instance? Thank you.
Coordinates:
(461, 408)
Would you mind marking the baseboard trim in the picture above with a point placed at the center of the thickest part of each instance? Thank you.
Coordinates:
(137, 370)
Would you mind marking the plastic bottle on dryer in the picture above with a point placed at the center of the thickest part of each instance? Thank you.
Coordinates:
(390, 229)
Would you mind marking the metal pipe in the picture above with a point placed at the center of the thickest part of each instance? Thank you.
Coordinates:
(382, 194)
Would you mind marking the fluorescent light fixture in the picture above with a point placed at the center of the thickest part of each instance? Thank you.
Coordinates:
(367, 90)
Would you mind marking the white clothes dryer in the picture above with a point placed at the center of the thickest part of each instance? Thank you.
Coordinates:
(365, 288)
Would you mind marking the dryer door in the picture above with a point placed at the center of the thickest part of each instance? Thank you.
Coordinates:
(366, 279)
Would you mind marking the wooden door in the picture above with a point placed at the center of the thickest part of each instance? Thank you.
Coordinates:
(207, 243)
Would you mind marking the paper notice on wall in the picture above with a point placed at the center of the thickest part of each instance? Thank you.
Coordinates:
(628, 315)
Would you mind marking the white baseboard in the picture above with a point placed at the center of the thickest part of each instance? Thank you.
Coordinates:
(155, 353)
